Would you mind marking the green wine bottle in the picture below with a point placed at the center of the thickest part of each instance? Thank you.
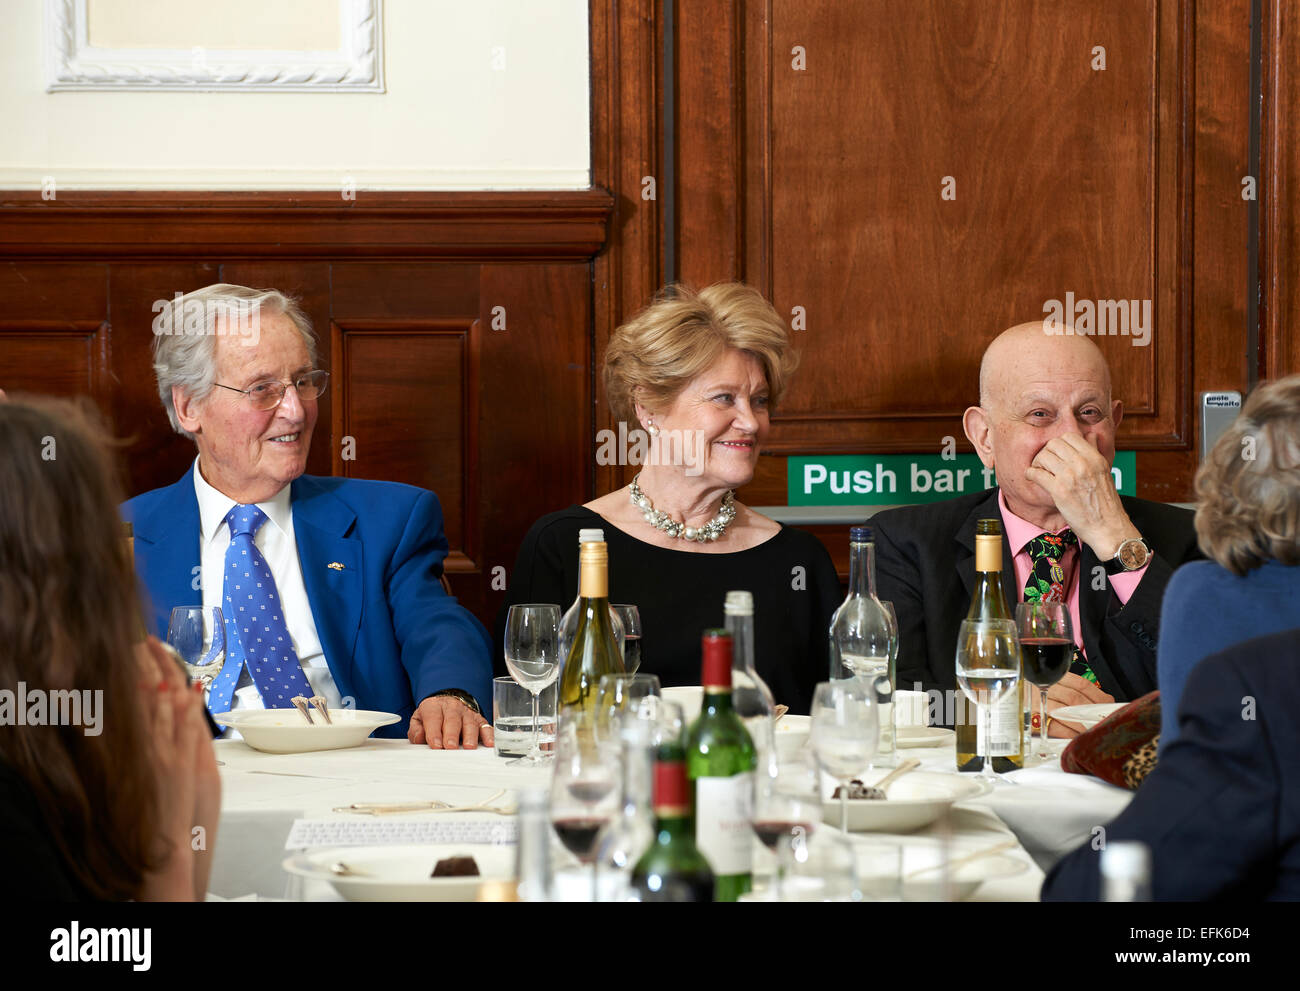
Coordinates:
(720, 761)
(594, 651)
(1006, 723)
(673, 869)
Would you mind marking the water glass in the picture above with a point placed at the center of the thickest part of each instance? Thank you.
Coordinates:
(988, 669)
(200, 640)
(512, 717)
(532, 649)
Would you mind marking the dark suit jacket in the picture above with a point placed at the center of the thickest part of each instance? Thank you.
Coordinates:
(925, 565)
(390, 635)
(1221, 810)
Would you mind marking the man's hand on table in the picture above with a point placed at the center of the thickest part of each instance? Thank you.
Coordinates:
(1073, 689)
(444, 722)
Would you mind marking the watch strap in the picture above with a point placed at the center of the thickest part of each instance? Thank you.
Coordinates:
(463, 696)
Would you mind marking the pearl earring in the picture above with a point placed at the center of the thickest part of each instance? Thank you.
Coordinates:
(654, 431)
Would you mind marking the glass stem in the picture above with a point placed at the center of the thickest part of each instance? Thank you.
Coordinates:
(987, 716)
(1042, 723)
(844, 807)
(537, 746)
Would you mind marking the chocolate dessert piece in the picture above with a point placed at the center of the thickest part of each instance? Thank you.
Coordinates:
(455, 867)
(856, 790)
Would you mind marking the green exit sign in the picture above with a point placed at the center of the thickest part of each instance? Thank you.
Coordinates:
(902, 479)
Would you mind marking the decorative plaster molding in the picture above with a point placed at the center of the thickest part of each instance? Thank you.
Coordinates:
(73, 64)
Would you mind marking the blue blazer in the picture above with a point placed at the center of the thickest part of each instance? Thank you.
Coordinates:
(1221, 809)
(390, 634)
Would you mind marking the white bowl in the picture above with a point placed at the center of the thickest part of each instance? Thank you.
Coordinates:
(913, 801)
(283, 731)
(927, 886)
(923, 736)
(400, 873)
(689, 697)
(1088, 715)
(791, 735)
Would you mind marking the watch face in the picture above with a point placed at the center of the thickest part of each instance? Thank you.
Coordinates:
(1133, 554)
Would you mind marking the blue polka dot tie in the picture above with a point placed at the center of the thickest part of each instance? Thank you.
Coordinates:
(256, 631)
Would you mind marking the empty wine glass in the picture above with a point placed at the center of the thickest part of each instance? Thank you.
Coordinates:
(988, 668)
(532, 648)
(630, 832)
(200, 640)
(1046, 649)
(617, 693)
(630, 617)
(844, 733)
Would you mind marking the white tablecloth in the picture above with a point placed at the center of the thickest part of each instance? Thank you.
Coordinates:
(1049, 812)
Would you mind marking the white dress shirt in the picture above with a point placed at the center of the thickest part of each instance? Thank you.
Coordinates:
(275, 539)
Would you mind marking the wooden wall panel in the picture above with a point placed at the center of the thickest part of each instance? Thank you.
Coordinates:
(1279, 191)
(402, 406)
(626, 147)
(1122, 183)
(1069, 185)
(53, 358)
(536, 404)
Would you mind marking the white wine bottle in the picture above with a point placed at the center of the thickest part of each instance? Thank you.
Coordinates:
(569, 621)
(594, 651)
(1005, 743)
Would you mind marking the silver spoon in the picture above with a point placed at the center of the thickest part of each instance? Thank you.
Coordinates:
(300, 704)
(877, 791)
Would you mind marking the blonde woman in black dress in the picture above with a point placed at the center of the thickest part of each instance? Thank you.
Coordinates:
(699, 373)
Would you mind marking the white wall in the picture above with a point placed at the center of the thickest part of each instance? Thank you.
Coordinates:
(449, 119)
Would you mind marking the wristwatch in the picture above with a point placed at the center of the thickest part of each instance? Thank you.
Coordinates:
(465, 697)
(1133, 554)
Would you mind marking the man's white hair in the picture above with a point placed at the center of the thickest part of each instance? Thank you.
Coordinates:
(185, 336)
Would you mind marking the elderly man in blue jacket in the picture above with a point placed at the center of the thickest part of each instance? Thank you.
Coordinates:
(328, 586)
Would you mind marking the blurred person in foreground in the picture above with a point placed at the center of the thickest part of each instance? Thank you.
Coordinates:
(1248, 524)
(1220, 812)
(355, 564)
(1045, 424)
(700, 372)
(109, 779)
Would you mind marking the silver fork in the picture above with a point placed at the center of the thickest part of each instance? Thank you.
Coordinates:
(380, 809)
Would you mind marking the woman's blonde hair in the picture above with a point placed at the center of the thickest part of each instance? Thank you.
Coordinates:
(681, 333)
(1248, 489)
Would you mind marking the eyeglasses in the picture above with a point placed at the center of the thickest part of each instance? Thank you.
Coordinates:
(268, 395)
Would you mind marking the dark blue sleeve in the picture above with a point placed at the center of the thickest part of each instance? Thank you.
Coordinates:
(1182, 643)
(1208, 811)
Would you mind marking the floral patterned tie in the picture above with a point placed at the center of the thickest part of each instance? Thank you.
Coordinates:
(1048, 582)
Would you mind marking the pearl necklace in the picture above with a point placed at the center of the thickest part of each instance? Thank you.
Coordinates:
(711, 530)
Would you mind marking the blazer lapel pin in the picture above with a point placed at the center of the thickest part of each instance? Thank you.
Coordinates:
(335, 565)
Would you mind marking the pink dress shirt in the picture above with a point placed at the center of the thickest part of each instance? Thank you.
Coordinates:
(1020, 532)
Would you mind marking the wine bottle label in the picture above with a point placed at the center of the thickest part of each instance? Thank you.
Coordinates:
(723, 809)
(1005, 729)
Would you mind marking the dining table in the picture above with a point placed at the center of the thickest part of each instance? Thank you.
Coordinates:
(276, 804)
